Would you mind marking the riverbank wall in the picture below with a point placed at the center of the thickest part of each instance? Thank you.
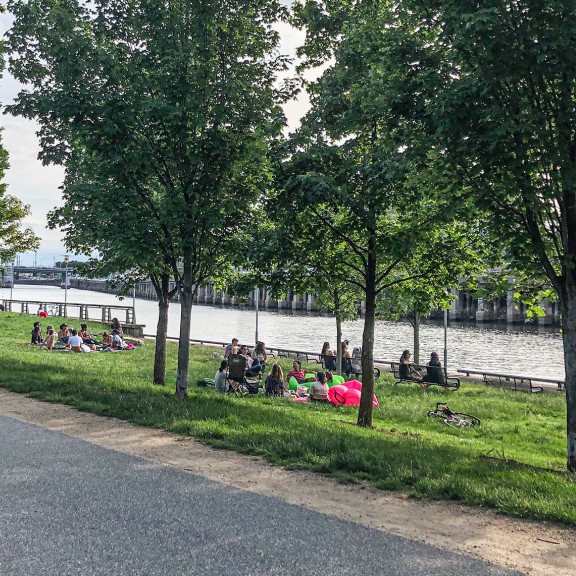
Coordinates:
(465, 306)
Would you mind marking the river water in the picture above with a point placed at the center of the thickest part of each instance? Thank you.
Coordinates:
(508, 349)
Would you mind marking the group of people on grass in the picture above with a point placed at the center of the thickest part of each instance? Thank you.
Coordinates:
(79, 341)
(276, 384)
(351, 363)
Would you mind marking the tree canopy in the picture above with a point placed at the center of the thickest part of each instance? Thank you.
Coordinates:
(171, 106)
(503, 108)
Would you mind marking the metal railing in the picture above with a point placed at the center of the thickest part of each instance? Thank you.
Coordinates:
(98, 312)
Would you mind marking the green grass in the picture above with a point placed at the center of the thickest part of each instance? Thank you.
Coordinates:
(514, 462)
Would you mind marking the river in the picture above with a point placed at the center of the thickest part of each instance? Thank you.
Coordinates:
(503, 348)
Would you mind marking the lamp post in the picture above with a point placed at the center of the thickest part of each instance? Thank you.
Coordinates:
(134, 304)
(66, 259)
(12, 283)
(446, 343)
(257, 303)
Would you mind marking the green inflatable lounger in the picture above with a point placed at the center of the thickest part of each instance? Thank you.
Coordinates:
(293, 383)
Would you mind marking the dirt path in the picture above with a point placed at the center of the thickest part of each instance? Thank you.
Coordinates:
(536, 548)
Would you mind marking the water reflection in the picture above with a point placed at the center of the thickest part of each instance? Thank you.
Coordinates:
(530, 350)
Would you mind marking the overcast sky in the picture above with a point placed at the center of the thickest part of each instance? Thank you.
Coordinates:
(38, 185)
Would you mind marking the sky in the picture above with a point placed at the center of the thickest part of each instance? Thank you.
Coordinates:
(38, 185)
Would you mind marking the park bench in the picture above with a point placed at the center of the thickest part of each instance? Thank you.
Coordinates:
(310, 357)
(512, 381)
(452, 382)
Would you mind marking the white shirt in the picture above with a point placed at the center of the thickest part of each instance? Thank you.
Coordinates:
(75, 341)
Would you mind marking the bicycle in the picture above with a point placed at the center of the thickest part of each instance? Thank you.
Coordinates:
(455, 419)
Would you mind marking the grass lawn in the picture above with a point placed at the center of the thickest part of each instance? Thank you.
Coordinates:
(514, 462)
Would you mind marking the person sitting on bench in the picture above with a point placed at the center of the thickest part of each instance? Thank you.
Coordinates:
(434, 373)
(406, 370)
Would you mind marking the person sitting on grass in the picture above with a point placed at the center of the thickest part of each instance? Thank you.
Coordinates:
(117, 343)
(63, 334)
(37, 334)
(86, 338)
(231, 348)
(260, 352)
(106, 340)
(253, 366)
(220, 384)
(75, 342)
(319, 389)
(50, 338)
(297, 372)
(274, 384)
(116, 326)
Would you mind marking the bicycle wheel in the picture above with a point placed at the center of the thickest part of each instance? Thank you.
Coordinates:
(460, 419)
(376, 373)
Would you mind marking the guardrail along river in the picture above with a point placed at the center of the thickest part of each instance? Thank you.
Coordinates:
(508, 349)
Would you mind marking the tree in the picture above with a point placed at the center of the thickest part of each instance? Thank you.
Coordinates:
(412, 300)
(356, 166)
(503, 106)
(13, 238)
(283, 255)
(174, 104)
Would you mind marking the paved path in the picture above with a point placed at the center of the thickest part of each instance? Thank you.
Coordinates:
(68, 507)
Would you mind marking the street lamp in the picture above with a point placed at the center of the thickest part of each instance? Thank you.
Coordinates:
(446, 343)
(12, 283)
(134, 304)
(66, 259)
(257, 303)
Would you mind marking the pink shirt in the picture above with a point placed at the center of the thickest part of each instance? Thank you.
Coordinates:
(298, 374)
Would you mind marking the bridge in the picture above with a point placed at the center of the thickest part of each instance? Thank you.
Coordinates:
(35, 274)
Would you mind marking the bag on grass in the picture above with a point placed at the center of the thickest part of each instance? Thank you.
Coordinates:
(205, 383)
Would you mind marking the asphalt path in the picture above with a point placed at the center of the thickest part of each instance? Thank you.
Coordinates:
(68, 507)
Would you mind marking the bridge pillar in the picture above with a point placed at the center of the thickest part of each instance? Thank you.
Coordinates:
(549, 309)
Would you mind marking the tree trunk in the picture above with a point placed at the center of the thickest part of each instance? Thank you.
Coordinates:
(568, 306)
(338, 343)
(186, 295)
(366, 408)
(162, 287)
(417, 336)
(160, 350)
